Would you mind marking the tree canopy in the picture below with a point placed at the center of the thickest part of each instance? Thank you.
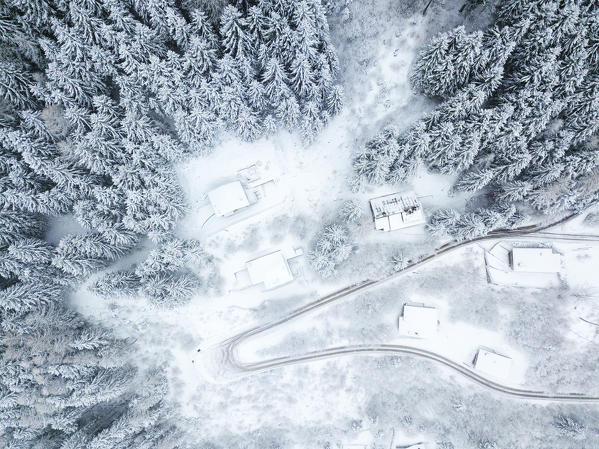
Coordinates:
(518, 118)
(98, 99)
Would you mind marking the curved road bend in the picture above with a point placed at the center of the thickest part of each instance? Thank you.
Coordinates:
(231, 344)
(462, 369)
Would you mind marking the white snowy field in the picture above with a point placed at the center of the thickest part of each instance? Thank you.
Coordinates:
(354, 400)
(472, 313)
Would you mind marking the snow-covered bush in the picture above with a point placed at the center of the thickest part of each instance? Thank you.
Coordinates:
(486, 444)
(331, 248)
(445, 445)
(570, 426)
(399, 261)
(592, 219)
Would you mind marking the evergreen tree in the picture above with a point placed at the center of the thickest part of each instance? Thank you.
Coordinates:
(351, 212)
(80, 255)
(335, 100)
(16, 225)
(55, 371)
(117, 283)
(236, 42)
(331, 248)
(169, 276)
(469, 225)
(15, 84)
(445, 64)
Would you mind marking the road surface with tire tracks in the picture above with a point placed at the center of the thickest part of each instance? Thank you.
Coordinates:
(229, 347)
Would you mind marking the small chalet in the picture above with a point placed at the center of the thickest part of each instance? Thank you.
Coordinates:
(228, 198)
(418, 320)
(534, 260)
(396, 211)
(271, 270)
(489, 362)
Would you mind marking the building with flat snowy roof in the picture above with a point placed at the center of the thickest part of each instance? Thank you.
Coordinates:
(418, 320)
(396, 211)
(271, 270)
(534, 260)
(228, 198)
(491, 363)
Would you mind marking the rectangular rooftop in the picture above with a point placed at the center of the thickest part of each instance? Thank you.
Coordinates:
(396, 211)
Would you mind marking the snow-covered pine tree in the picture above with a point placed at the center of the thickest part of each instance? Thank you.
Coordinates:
(15, 83)
(117, 283)
(445, 64)
(374, 163)
(351, 212)
(169, 276)
(469, 225)
(442, 221)
(80, 255)
(330, 249)
(235, 33)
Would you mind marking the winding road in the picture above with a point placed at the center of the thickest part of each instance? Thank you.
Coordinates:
(402, 350)
(229, 347)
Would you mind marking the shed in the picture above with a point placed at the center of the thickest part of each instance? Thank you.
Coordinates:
(396, 211)
(489, 362)
(228, 198)
(418, 321)
(535, 260)
(272, 270)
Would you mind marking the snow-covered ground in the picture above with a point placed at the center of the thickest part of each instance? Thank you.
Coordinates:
(469, 317)
(354, 400)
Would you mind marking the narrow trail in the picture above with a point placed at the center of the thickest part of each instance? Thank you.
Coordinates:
(229, 347)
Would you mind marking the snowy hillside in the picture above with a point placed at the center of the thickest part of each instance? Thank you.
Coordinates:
(299, 224)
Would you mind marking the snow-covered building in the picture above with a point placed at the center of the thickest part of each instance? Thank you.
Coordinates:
(534, 260)
(270, 270)
(492, 363)
(228, 198)
(396, 211)
(521, 264)
(418, 320)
